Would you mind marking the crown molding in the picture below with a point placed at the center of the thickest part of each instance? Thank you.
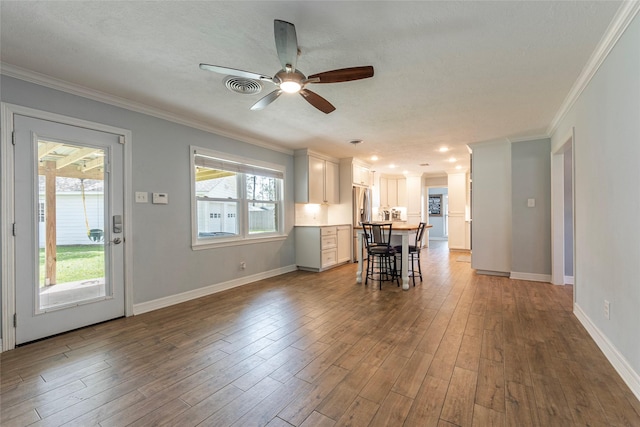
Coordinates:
(67, 87)
(499, 141)
(628, 10)
(528, 138)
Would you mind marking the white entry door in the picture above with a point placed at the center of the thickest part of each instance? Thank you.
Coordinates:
(69, 247)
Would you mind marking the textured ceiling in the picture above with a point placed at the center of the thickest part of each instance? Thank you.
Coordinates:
(446, 73)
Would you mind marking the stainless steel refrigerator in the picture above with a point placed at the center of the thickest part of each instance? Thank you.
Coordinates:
(361, 212)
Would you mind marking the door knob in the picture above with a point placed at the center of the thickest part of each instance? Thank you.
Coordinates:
(116, 241)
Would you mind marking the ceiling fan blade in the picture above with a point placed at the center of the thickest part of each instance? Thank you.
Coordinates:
(317, 101)
(286, 44)
(234, 72)
(342, 75)
(268, 99)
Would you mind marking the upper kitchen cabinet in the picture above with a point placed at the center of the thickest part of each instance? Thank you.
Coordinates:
(317, 178)
(393, 191)
(361, 175)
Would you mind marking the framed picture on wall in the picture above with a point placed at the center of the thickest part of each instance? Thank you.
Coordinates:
(435, 204)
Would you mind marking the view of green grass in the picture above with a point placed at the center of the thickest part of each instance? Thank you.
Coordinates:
(76, 263)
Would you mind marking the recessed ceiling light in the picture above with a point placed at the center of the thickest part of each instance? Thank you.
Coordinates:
(374, 158)
(458, 167)
(405, 172)
(443, 149)
(392, 166)
(452, 159)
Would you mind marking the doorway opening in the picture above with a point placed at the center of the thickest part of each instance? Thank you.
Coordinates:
(563, 217)
(437, 209)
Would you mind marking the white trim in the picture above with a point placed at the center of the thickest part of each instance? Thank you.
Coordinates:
(238, 242)
(57, 84)
(489, 272)
(568, 280)
(7, 218)
(532, 277)
(558, 208)
(8, 250)
(618, 25)
(620, 364)
(208, 290)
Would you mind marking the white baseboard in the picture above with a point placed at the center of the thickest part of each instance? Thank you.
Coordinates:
(438, 238)
(568, 280)
(492, 273)
(620, 364)
(208, 290)
(533, 277)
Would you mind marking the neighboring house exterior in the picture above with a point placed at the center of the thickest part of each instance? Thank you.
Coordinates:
(70, 218)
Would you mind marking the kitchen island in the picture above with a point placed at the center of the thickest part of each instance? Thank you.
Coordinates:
(403, 230)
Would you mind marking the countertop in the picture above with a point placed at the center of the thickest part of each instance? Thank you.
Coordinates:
(322, 225)
(402, 226)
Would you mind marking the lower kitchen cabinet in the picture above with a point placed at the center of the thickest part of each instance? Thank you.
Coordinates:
(321, 247)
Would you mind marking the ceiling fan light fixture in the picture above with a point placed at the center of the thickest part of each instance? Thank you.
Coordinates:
(290, 86)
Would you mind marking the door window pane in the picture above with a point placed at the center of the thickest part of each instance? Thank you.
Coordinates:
(70, 211)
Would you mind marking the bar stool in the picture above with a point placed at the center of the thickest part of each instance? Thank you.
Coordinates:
(381, 256)
(414, 254)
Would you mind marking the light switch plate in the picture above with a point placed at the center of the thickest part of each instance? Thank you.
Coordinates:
(160, 198)
(531, 203)
(142, 197)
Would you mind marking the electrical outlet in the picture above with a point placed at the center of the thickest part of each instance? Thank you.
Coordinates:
(606, 309)
(243, 265)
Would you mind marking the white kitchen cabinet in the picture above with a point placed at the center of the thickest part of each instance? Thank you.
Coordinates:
(384, 192)
(344, 243)
(317, 180)
(393, 192)
(331, 182)
(401, 193)
(361, 175)
(321, 247)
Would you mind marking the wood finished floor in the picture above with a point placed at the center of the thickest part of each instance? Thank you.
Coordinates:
(308, 349)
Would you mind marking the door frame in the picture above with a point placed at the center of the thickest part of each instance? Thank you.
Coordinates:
(558, 208)
(7, 203)
(426, 216)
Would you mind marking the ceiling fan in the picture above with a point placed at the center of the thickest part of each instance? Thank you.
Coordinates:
(291, 80)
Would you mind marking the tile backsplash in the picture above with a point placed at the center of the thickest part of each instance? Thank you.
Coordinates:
(310, 214)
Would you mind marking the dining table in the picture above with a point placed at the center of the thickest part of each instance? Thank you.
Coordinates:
(397, 229)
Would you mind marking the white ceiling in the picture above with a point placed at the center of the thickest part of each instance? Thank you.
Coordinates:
(447, 73)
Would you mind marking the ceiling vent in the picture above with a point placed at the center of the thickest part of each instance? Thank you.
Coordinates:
(243, 85)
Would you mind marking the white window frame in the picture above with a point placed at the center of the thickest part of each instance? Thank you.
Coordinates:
(243, 237)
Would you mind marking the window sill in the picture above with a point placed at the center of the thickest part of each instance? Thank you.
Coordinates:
(237, 242)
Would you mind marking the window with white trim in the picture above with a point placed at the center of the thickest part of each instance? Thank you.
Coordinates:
(235, 199)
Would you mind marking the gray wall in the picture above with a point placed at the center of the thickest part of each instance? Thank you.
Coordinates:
(163, 262)
(607, 201)
(531, 226)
